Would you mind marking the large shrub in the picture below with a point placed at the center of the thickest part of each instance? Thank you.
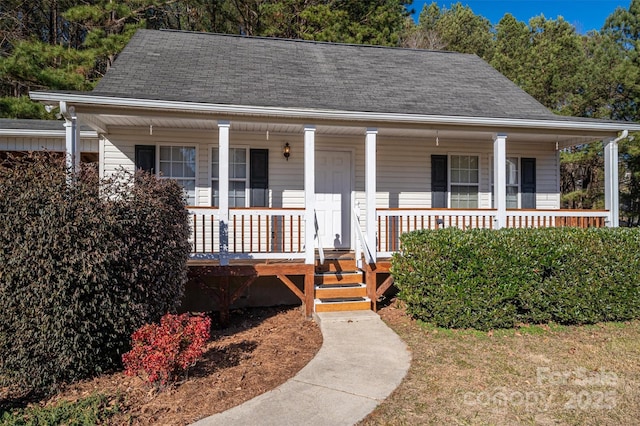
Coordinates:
(488, 279)
(83, 264)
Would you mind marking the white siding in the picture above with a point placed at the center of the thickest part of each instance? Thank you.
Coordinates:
(404, 170)
(404, 164)
(13, 143)
(286, 178)
(116, 155)
(119, 151)
(547, 171)
(89, 145)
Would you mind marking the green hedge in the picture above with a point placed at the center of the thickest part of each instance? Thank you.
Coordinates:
(486, 279)
(82, 266)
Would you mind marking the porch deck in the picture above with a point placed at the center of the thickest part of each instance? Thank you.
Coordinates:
(338, 263)
(269, 243)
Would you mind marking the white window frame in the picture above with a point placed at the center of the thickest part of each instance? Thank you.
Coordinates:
(246, 180)
(449, 174)
(518, 170)
(159, 147)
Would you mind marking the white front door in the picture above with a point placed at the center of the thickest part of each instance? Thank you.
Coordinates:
(333, 190)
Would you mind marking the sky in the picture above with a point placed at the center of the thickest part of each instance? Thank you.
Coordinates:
(584, 15)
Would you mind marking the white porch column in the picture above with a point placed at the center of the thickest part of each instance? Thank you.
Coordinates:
(500, 179)
(370, 189)
(611, 197)
(72, 137)
(223, 189)
(309, 194)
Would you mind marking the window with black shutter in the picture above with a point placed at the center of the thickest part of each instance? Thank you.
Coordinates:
(259, 177)
(439, 181)
(248, 177)
(528, 183)
(145, 158)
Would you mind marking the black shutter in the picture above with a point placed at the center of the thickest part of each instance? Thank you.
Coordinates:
(146, 158)
(439, 181)
(528, 183)
(259, 177)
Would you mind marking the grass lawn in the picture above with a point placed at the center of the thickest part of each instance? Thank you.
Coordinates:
(542, 375)
(92, 410)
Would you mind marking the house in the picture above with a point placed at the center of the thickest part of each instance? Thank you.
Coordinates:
(19, 136)
(295, 155)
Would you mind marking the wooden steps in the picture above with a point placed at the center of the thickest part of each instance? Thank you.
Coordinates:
(337, 278)
(335, 305)
(339, 285)
(337, 265)
(338, 291)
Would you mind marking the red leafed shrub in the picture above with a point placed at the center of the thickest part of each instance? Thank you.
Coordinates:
(164, 351)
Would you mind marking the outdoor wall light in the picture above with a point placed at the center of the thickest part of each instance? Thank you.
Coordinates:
(286, 151)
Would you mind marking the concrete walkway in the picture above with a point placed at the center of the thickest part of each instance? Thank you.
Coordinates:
(360, 363)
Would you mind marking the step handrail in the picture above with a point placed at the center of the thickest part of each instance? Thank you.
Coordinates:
(360, 236)
(317, 237)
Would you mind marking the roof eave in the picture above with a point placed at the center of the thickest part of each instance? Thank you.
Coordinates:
(312, 115)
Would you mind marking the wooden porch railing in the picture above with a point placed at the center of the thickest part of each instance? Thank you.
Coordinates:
(279, 232)
(204, 230)
(556, 218)
(252, 232)
(392, 222)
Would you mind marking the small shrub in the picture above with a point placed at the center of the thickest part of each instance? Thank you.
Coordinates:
(165, 352)
(83, 264)
(487, 279)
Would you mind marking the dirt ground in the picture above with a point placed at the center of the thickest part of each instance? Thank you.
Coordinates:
(452, 374)
(261, 349)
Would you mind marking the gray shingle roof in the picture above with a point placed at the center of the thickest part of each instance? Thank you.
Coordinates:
(235, 70)
(38, 125)
(17, 124)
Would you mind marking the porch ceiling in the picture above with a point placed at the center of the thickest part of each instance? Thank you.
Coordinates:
(104, 122)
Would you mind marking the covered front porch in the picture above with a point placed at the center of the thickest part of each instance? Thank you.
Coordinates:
(325, 189)
(370, 220)
(270, 196)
